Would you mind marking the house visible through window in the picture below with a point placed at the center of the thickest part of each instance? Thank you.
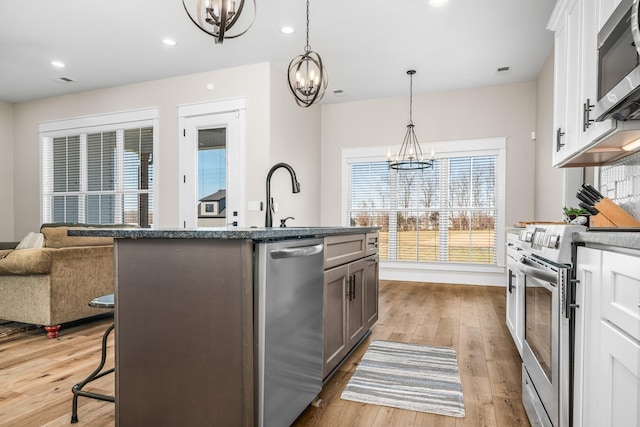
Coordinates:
(444, 214)
(98, 174)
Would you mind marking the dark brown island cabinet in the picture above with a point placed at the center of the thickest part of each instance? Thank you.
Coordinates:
(190, 348)
(350, 295)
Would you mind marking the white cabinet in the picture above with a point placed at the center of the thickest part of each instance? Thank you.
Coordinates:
(620, 382)
(576, 24)
(515, 294)
(607, 363)
(605, 9)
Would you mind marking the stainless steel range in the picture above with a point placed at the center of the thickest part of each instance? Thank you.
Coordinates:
(546, 265)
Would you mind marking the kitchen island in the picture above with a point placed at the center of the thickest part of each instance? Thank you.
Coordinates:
(192, 347)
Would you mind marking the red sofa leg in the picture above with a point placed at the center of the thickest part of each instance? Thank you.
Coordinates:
(52, 331)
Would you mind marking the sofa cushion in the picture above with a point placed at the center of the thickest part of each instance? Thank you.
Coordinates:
(56, 237)
(31, 240)
(26, 261)
(5, 252)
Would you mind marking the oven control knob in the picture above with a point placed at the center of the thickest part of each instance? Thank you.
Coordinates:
(554, 241)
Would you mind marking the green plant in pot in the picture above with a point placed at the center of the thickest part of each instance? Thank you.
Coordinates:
(571, 213)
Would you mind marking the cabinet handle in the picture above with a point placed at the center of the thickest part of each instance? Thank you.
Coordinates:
(510, 282)
(559, 135)
(349, 288)
(586, 112)
(353, 294)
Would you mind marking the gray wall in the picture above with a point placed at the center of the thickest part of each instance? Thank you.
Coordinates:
(548, 198)
(494, 111)
(6, 172)
(266, 140)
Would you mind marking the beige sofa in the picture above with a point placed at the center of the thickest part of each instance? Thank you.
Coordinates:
(53, 284)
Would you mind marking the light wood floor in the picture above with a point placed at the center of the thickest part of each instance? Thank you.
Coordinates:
(36, 374)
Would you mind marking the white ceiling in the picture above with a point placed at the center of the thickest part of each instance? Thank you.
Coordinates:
(367, 45)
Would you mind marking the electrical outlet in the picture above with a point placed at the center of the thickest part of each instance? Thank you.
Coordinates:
(253, 206)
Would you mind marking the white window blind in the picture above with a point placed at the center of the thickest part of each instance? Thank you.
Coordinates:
(445, 214)
(102, 176)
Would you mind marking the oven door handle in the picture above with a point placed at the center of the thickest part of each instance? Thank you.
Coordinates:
(538, 273)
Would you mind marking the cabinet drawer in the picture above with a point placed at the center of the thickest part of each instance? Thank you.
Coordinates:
(372, 243)
(620, 297)
(340, 250)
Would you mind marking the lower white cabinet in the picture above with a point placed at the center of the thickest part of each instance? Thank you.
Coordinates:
(619, 380)
(515, 305)
(607, 360)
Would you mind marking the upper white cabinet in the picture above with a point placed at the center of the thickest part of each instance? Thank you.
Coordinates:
(605, 9)
(576, 24)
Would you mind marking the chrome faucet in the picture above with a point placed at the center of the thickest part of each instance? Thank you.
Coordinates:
(268, 220)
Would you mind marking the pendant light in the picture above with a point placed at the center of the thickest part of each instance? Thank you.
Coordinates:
(307, 77)
(218, 17)
(410, 156)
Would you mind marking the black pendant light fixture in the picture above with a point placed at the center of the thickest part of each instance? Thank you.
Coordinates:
(307, 78)
(219, 18)
(410, 156)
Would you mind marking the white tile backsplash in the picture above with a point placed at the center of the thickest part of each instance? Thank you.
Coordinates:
(620, 181)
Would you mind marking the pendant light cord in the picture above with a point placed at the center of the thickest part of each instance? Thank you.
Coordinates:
(411, 99)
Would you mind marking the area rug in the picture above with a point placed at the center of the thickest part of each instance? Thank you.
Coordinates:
(408, 376)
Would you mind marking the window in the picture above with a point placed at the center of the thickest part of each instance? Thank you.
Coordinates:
(100, 174)
(446, 214)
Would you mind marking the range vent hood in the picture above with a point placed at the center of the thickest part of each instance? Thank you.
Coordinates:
(608, 147)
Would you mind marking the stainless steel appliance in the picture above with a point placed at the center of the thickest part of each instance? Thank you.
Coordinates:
(288, 313)
(619, 64)
(546, 265)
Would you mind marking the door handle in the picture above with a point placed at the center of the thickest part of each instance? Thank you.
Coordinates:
(510, 282)
(297, 252)
(586, 112)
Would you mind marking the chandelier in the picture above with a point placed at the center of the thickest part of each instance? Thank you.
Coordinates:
(307, 77)
(410, 156)
(218, 17)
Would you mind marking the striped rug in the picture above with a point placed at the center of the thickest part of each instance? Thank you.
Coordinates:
(408, 376)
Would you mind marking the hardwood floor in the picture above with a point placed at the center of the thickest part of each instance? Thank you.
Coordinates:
(36, 374)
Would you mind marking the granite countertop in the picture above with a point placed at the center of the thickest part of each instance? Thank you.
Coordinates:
(620, 239)
(257, 234)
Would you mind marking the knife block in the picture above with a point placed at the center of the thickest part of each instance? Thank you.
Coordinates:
(611, 215)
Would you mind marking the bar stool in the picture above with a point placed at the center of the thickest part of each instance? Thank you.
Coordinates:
(105, 301)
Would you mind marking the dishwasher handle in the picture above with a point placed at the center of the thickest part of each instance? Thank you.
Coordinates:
(297, 252)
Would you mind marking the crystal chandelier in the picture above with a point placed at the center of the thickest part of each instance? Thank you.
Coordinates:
(218, 17)
(307, 77)
(410, 156)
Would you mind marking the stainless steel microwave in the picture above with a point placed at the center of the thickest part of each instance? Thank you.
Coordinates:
(619, 64)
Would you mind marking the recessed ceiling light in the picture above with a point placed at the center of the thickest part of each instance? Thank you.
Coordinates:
(58, 64)
(169, 42)
(287, 29)
(438, 3)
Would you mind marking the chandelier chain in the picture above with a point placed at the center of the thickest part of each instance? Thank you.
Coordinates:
(307, 48)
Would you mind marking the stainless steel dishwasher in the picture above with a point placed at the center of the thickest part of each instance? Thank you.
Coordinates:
(288, 313)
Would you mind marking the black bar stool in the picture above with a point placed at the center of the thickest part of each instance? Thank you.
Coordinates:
(105, 301)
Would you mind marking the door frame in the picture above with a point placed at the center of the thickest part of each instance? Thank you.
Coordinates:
(210, 114)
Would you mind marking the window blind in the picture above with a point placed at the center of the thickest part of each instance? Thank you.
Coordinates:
(445, 214)
(103, 177)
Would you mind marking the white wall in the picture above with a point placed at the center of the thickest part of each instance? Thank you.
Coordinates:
(495, 111)
(6, 173)
(295, 139)
(253, 82)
